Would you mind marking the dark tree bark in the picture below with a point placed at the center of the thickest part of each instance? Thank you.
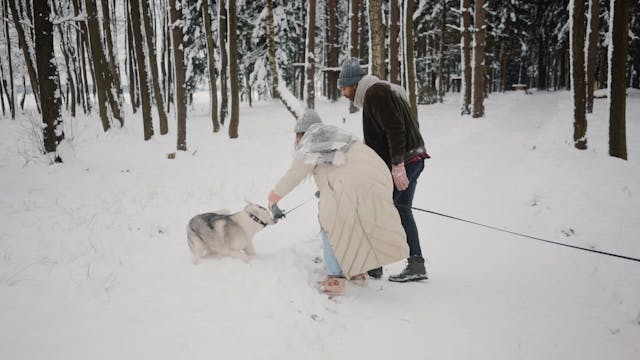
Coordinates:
(377, 31)
(334, 50)
(311, 57)
(443, 29)
(52, 131)
(478, 60)
(234, 120)
(394, 46)
(465, 43)
(26, 51)
(131, 62)
(179, 71)
(592, 50)
(111, 56)
(10, 93)
(271, 48)
(143, 75)
(103, 81)
(578, 85)
(354, 18)
(153, 64)
(224, 70)
(211, 65)
(66, 52)
(618, 60)
(410, 57)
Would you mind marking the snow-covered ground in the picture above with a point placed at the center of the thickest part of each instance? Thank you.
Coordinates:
(94, 262)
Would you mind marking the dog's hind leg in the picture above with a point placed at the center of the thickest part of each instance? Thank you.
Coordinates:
(197, 246)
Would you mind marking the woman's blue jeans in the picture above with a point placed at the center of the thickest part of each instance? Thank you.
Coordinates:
(330, 262)
(404, 201)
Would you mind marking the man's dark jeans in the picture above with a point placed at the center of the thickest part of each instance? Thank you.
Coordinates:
(404, 201)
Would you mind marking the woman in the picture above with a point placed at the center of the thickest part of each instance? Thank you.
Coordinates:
(360, 227)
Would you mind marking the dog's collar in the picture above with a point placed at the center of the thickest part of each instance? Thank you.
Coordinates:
(255, 218)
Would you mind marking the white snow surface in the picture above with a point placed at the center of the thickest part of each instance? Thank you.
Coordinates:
(94, 262)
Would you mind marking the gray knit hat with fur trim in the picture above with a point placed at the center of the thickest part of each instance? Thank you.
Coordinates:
(308, 118)
(351, 73)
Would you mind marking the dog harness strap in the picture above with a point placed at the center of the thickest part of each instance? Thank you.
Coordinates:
(255, 218)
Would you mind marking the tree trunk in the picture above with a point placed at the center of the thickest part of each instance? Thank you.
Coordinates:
(11, 90)
(153, 64)
(334, 51)
(224, 77)
(271, 47)
(67, 50)
(409, 57)
(443, 29)
(98, 62)
(234, 120)
(211, 65)
(179, 71)
(478, 60)
(311, 57)
(52, 130)
(592, 50)
(143, 75)
(394, 36)
(112, 60)
(354, 16)
(377, 33)
(465, 49)
(578, 85)
(26, 52)
(131, 61)
(619, 20)
(363, 29)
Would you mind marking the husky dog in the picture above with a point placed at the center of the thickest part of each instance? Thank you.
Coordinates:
(227, 234)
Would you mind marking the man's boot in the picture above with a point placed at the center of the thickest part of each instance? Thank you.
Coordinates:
(414, 271)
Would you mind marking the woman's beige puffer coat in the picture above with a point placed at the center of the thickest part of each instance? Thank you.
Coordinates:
(355, 209)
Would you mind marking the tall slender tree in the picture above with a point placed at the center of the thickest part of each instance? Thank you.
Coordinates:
(619, 22)
(592, 49)
(377, 33)
(409, 56)
(354, 17)
(52, 130)
(578, 86)
(224, 70)
(179, 71)
(311, 57)
(465, 55)
(143, 74)
(478, 60)
(153, 65)
(271, 49)
(11, 90)
(211, 65)
(26, 51)
(394, 36)
(234, 120)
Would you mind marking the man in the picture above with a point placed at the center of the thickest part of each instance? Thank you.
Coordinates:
(391, 130)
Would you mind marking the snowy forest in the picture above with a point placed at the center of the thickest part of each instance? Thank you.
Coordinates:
(151, 56)
(121, 120)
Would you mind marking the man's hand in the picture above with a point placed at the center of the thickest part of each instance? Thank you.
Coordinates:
(273, 198)
(399, 175)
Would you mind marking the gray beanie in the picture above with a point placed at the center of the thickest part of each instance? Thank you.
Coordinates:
(351, 73)
(308, 118)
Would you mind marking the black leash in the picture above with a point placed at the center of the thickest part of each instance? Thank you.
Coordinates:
(523, 235)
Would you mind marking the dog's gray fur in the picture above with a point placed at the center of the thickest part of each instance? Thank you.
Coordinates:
(227, 234)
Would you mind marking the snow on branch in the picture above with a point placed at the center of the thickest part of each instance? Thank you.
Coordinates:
(288, 99)
(74, 18)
